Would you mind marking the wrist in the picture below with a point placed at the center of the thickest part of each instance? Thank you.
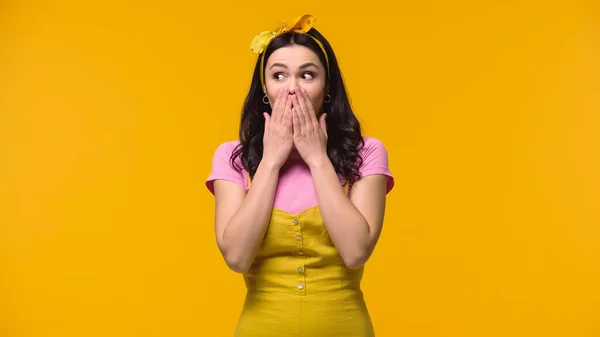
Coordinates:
(270, 166)
(319, 162)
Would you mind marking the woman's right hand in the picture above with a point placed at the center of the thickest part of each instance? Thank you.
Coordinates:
(278, 138)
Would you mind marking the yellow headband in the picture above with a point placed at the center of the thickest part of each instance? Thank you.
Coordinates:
(300, 25)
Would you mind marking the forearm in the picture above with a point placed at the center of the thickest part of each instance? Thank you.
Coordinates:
(246, 229)
(346, 226)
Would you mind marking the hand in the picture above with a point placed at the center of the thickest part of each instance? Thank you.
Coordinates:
(278, 137)
(310, 134)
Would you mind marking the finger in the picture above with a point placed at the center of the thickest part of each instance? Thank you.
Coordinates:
(299, 107)
(275, 110)
(288, 108)
(282, 102)
(309, 117)
(285, 101)
(289, 116)
(267, 118)
(297, 127)
(274, 105)
(310, 111)
(323, 123)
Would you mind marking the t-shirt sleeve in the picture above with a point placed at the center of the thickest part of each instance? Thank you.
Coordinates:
(223, 169)
(375, 161)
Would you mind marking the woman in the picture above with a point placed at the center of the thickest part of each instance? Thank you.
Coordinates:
(300, 197)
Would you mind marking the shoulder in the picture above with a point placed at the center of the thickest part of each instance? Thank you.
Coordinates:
(222, 166)
(223, 152)
(373, 150)
(227, 147)
(375, 160)
(371, 145)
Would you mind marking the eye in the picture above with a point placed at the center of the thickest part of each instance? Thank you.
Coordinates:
(278, 76)
(308, 75)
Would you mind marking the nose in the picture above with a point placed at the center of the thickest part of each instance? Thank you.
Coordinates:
(293, 86)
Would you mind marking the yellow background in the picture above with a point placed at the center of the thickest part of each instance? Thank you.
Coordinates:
(110, 112)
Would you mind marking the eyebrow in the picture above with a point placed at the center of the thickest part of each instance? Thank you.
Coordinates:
(305, 65)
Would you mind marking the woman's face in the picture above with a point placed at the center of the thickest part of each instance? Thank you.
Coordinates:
(294, 67)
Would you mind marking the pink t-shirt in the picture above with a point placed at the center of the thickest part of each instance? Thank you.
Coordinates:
(295, 189)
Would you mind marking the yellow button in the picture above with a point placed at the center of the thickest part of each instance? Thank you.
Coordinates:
(295, 221)
(298, 238)
(300, 286)
(300, 270)
(300, 252)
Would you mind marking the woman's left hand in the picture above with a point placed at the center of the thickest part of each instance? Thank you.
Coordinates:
(310, 133)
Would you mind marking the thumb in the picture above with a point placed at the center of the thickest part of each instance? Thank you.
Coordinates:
(267, 119)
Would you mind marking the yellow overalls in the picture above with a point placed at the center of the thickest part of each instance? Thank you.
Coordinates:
(299, 286)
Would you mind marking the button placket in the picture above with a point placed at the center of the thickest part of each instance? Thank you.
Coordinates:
(300, 270)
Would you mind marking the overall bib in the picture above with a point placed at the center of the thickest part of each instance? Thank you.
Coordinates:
(298, 285)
